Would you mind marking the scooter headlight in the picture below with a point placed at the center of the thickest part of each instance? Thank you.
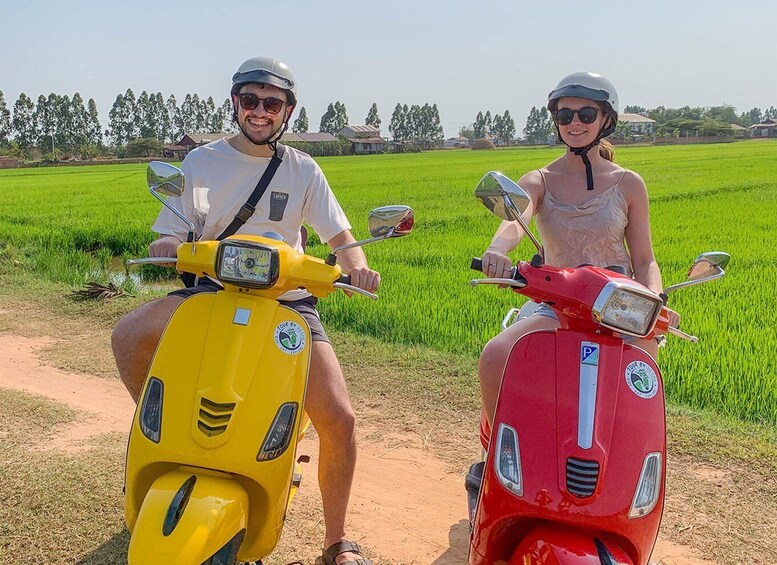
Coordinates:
(150, 419)
(279, 436)
(648, 487)
(245, 263)
(627, 309)
(507, 460)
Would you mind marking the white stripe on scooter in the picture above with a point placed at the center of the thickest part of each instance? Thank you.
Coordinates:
(586, 407)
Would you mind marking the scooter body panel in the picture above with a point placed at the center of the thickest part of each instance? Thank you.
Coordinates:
(227, 361)
(561, 415)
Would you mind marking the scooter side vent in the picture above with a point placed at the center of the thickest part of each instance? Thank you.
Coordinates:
(214, 417)
(582, 477)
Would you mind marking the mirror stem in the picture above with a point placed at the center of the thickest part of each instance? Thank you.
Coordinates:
(678, 286)
(332, 257)
(509, 204)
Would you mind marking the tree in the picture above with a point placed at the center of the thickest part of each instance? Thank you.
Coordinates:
(301, 123)
(479, 126)
(328, 120)
(372, 118)
(754, 116)
(635, 110)
(79, 120)
(539, 125)
(174, 114)
(467, 131)
(504, 127)
(47, 121)
(623, 130)
(5, 121)
(94, 134)
(488, 123)
(23, 122)
(341, 117)
(131, 126)
(396, 125)
(144, 147)
(725, 113)
(771, 113)
(117, 118)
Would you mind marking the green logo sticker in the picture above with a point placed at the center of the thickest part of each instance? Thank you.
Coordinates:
(290, 337)
(642, 379)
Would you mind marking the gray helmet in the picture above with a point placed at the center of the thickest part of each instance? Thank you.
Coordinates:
(591, 86)
(266, 70)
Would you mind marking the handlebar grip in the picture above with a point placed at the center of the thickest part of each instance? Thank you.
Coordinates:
(345, 279)
(477, 264)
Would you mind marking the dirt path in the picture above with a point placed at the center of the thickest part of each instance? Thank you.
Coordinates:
(405, 503)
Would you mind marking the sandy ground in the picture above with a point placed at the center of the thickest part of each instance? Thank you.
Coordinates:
(405, 502)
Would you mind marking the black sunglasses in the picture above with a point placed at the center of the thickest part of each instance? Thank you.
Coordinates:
(249, 101)
(587, 115)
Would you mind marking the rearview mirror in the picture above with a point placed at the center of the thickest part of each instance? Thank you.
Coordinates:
(391, 221)
(164, 178)
(507, 200)
(708, 264)
(706, 267)
(502, 196)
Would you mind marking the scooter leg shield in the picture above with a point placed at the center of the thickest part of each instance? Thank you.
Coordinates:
(186, 517)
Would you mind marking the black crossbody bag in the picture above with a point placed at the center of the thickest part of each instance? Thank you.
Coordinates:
(245, 212)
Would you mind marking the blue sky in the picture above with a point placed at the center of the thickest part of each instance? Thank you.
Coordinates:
(464, 56)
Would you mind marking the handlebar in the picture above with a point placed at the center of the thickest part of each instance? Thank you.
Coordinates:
(515, 280)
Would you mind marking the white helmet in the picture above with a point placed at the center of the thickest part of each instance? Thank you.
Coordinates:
(266, 70)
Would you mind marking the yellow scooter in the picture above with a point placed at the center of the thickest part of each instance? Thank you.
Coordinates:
(211, 462)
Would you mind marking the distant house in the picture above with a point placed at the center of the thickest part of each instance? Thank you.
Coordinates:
(364, 139)
(767, 128)
(192, 140)
(738, 130)
(459, 141)
(176, 152)
(640, 125)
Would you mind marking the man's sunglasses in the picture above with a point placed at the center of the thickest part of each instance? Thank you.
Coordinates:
(249, 101)
(564, 116)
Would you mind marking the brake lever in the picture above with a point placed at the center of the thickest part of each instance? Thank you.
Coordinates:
(366, 293)
(682, 334)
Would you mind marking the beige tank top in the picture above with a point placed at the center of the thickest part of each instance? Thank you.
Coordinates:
(593, 232)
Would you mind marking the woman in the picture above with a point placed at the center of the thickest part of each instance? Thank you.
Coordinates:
(588, 210)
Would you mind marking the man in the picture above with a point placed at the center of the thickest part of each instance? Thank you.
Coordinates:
(219, 178)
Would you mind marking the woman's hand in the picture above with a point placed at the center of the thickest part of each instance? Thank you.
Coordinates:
(674, 318)
(496, 265)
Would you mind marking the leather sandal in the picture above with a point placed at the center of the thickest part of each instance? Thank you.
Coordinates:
(345, 546)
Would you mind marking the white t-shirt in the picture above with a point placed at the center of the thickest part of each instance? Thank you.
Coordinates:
(218, 179)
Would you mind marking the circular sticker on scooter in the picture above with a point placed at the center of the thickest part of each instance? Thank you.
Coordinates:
(290, 337)
(642, 379)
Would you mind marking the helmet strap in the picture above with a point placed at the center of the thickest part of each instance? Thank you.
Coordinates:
(582, 152)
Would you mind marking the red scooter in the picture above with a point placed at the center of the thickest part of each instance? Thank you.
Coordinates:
(576, 461)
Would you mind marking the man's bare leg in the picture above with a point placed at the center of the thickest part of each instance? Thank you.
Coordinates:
(135, 338)
(331, 413)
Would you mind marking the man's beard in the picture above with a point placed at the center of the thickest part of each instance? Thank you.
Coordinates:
(256, 139)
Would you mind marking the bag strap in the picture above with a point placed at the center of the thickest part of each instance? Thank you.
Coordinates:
(248, 209)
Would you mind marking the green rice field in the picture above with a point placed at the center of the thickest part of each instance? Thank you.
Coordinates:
(66, 224)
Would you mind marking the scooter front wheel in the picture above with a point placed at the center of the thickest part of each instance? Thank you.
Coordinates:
(227, 555)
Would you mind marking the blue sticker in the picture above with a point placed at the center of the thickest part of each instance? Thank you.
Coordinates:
(589, 353)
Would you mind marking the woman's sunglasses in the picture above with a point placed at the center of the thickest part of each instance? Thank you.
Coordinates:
(249, 101)
(564, 116)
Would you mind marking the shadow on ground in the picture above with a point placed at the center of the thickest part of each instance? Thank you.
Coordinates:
(112, 552)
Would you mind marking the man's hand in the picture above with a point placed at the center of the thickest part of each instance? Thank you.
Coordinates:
(365, 279)
(674, 318)
(165, 246)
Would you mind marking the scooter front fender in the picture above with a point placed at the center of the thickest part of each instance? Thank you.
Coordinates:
(550, 546)
(186, 517)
